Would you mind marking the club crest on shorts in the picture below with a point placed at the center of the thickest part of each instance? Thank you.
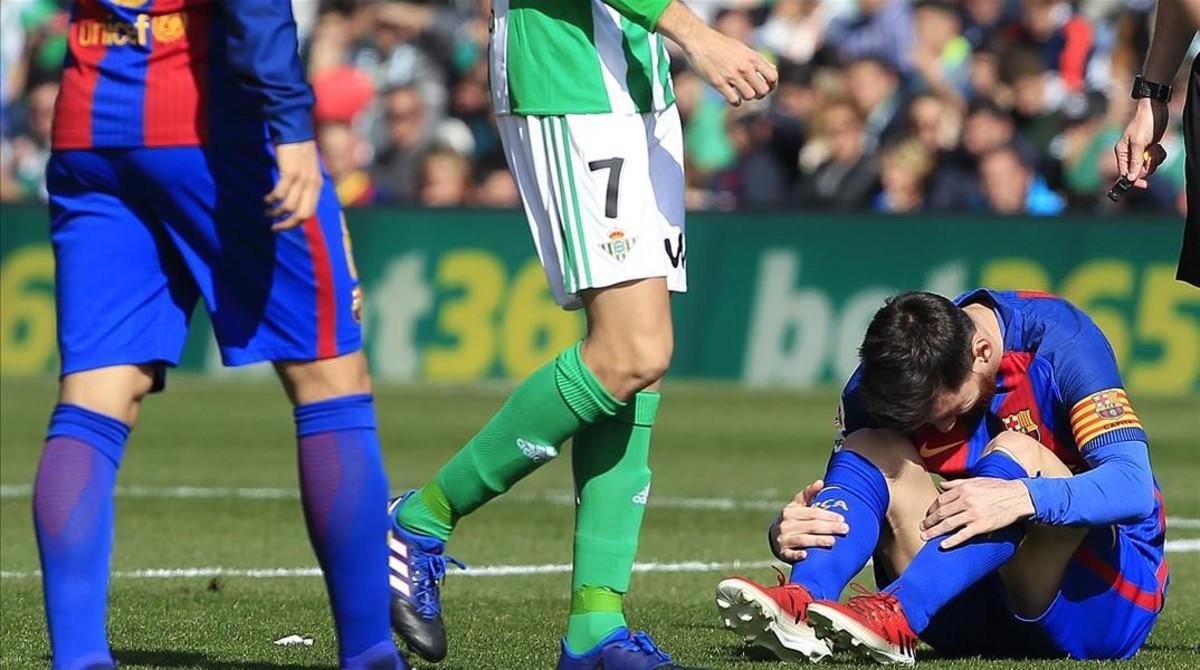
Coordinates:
(618, 245)
(1022, 422)
(356, 304)
(1107, 406)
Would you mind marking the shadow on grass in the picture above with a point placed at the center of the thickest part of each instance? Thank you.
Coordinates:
(168, 658)
(751, 654)
(747, 654)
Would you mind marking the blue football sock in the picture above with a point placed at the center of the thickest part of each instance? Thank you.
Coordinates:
(856, 489)
(344, 492)
(999, 465)
(937, 575)
(73, 520)
(382, 656)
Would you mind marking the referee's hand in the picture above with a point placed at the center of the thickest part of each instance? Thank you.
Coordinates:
(294, 198)
(1138, 151)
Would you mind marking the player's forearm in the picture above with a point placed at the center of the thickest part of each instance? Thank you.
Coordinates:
(1119, 488)
(680, 24)
(1191, 10)
(263, 52)
(1175, 24)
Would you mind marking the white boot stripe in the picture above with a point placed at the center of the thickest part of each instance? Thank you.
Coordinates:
(397, 546)
(398, 566)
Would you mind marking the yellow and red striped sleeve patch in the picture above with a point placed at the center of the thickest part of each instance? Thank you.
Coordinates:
(1102, 412)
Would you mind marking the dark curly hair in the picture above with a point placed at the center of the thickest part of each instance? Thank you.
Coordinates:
(917, 344)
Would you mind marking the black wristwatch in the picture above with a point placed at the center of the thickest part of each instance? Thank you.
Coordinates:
(1144, 88)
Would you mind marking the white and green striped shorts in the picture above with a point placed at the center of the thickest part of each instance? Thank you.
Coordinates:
(604, 195)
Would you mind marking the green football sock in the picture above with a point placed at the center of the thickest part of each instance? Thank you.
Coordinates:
(611, 462)
(549, 407)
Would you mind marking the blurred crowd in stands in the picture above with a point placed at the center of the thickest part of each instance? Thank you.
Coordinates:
(1005, 106)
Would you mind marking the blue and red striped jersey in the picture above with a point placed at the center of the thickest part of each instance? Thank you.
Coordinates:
(1058, 383)
(157, 73)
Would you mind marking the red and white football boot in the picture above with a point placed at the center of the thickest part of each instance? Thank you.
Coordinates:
(772, 617)
(872, 624)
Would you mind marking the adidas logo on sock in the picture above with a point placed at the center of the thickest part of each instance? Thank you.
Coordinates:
(642, 496)
(538, 453)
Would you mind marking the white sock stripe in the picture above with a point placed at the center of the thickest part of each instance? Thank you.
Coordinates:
(1186, 546)
(480, 571)
(553, 497)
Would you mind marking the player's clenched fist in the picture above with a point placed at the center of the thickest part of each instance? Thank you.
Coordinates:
(800, 527)
(294, 198)
(737, 72)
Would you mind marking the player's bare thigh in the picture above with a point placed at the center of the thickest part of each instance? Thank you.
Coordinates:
(630, 336)
(1032, 578)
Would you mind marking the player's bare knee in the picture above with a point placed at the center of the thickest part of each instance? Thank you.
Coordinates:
(115, 391)
(1029, 454)
(651, 360)
(891, 452)
(314, 381)
(631, 364)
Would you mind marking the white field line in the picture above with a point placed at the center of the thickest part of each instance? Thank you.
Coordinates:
(176, 492)
(1172, 546)
(480, 571)
(561, 498)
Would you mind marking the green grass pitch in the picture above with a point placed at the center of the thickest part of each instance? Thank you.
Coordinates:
(713, 445)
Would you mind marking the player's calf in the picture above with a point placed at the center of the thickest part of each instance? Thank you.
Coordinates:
(73, 521)
(343, 489)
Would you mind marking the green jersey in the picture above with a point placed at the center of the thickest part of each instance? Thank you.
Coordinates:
(551, 57)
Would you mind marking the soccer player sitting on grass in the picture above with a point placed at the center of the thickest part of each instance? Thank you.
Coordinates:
(1044, 540)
